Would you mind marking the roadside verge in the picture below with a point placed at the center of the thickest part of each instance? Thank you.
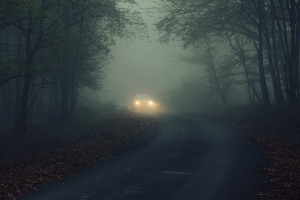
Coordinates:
(18, 176)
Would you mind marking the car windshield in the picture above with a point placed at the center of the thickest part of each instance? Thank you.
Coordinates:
(142, 96)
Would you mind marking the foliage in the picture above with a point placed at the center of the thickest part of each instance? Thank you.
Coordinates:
(59, 148)
(60, 45)
(192, 21)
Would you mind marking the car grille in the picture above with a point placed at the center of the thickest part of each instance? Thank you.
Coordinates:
(144, 103)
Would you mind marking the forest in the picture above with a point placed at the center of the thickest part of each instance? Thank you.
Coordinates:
(252, 45)
(51, 51)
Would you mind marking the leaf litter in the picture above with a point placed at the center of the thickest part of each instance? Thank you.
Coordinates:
(22, 174)
(276, 128)
(284, 166)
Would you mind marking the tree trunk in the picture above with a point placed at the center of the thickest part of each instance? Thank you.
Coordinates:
(18, 84)
(41, 94)
(215, 78)
(263, 84)
(297, 51)
(56, 100)
(65, 88)
(5, 90)
(74, 87)
(65, 76)
(275, 55)
(284, 51)
(240, 53)
(22, 121)
(17, 100)
(56, 111)
(6, 94)
(254, 91)
(72, 96)
(291, 66)
(273, 75)
(21, 125)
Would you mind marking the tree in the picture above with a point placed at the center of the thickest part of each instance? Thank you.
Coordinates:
(263, 85)
(191, 20)
(65, 32)
(212, 70)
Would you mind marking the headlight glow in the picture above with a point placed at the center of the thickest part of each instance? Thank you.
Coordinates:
(137, 102)
(150, 102)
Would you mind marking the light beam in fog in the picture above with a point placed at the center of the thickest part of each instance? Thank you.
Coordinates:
(141, 66)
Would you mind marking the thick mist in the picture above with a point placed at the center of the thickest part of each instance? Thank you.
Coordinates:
(171, 74)
(144, 66)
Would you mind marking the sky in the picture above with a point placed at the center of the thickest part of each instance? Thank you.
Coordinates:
(143, 67)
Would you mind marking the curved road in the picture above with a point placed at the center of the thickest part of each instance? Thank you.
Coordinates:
(189, 158)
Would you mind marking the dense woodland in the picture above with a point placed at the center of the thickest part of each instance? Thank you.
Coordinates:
(52, 49)
(249, 48)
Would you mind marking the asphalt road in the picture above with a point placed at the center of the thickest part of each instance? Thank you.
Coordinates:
(189, 158)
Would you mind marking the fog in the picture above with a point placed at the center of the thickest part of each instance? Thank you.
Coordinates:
(144, 66)
(194, 59)
(70, 71)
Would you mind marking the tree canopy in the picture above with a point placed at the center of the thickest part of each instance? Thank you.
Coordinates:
(267, 27)
(60, 45)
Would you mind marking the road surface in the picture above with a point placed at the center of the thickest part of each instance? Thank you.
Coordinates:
(189, 158)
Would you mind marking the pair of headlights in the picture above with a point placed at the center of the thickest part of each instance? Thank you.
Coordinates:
(150, 102)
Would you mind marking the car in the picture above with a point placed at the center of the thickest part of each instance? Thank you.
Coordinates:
(143, 103)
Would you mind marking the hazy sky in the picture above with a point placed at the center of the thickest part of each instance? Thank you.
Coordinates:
(141, 66)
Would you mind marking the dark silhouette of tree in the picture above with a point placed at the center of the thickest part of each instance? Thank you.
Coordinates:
(262, 78)
(265, 22)
(59, 46)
